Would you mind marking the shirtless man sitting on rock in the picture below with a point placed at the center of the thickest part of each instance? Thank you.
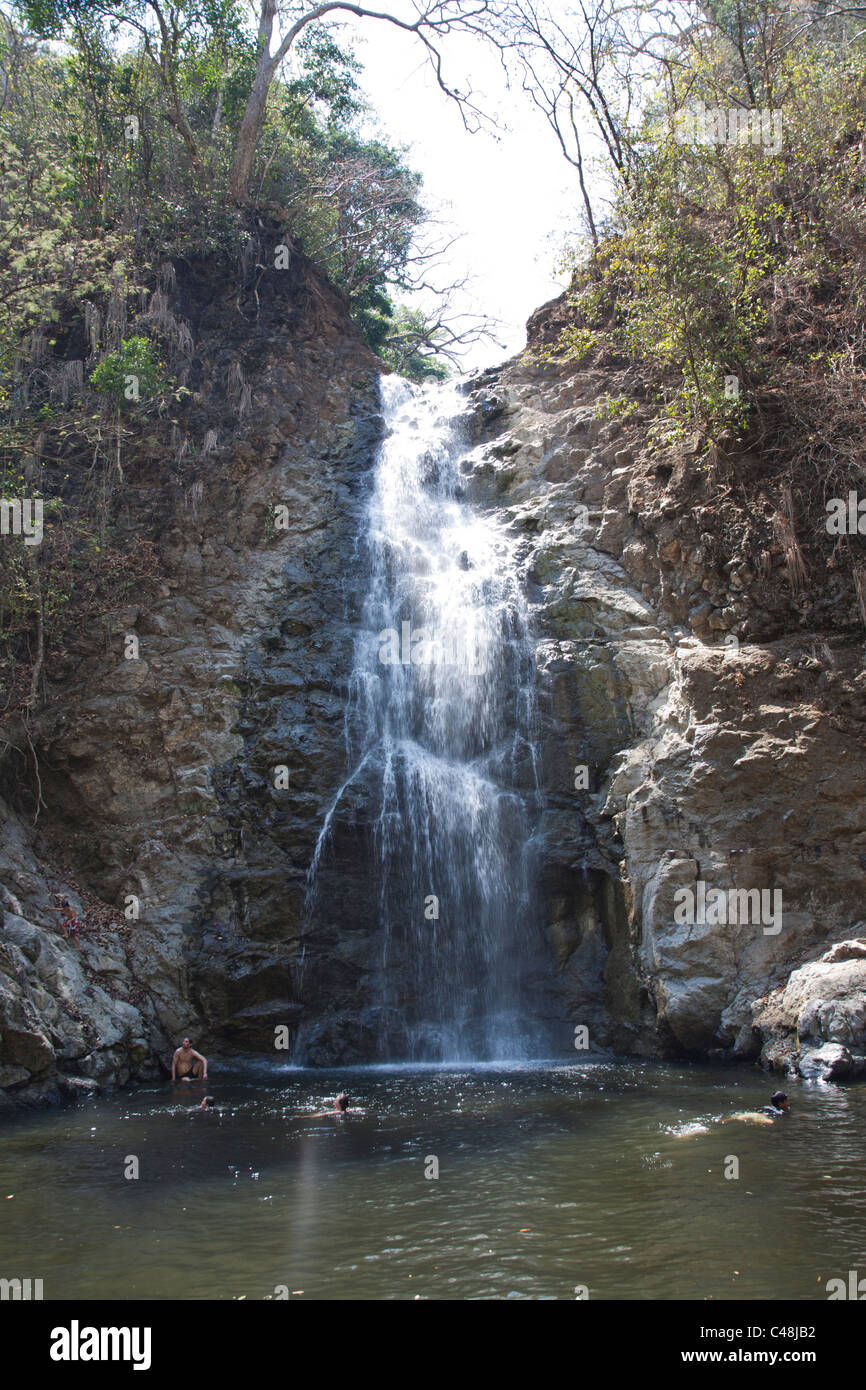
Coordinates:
(187, 1064)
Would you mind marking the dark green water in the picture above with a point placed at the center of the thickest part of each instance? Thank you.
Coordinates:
(548, 1179)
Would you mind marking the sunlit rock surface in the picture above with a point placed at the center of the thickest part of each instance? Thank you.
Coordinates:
(711, 755)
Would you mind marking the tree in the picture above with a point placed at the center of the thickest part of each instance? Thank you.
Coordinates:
(424, 345)
(163, 28)
(597, 59)
(166, 29)
(374, 211)
(432, 23)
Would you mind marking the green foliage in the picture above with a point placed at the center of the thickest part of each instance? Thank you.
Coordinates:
(687, 271)
(412, 345)
(355, 206)
(616, 408)
(325, 85)
(130, 374)
(48, 261)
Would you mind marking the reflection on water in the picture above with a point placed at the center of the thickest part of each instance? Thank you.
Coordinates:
(608, 1175)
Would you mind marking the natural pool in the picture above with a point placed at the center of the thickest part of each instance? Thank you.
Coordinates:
(549, 1178)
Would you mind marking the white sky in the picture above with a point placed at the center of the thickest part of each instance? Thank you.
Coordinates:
(511, 194)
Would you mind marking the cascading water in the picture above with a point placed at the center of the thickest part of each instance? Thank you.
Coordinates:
(440, 724)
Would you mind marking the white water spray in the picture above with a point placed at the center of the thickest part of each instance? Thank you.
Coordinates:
(441, 716)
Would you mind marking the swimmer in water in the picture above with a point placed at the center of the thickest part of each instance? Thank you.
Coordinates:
(778, 1105)
(208, 1104)
(341, 1107)
(766, 1115)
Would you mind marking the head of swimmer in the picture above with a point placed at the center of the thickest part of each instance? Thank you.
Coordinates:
(779, 1100)
(342, 1101)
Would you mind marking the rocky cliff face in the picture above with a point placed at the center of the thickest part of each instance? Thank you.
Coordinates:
(160, 794)
(700, 731)
(721, 738)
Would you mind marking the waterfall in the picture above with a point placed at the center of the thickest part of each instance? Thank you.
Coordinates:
(440, 727)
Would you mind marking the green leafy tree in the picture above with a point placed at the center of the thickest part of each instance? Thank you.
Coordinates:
(129, 374)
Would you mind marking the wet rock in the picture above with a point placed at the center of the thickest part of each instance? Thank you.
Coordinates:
(832, 1062)
(819, 1015)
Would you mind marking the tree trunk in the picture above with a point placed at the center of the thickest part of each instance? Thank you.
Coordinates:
(177, 118)
(218, 113)
(266, 69)
(250, 132)
(254, 114)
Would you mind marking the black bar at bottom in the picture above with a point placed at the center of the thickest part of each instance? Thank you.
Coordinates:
(195, 1338)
